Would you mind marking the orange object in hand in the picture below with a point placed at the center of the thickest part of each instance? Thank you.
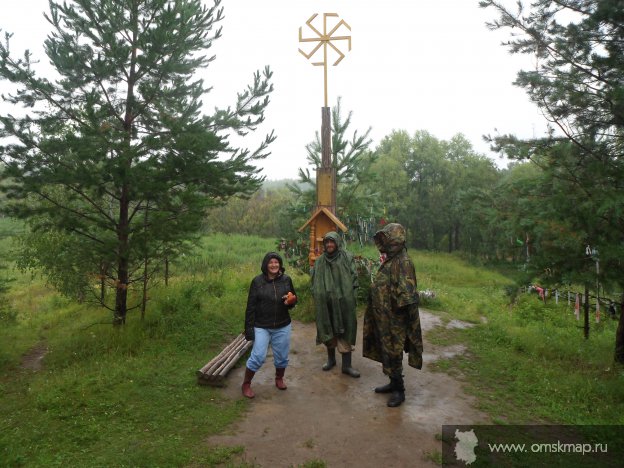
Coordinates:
(290, 298)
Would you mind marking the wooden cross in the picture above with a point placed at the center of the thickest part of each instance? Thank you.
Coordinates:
(325, 39)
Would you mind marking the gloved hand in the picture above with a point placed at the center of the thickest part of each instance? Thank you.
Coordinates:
(249, 334)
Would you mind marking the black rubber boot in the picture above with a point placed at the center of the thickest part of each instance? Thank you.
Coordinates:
(346, 366)
(385, 388)
(331, 359)
(398, 392)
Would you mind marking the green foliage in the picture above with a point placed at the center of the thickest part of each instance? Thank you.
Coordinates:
(106, 393)
(115, 157)
(130, 392)
(351, 159)
(7, 229)
(528, 361)
(439, 190)
(65, 260)
(315, 463)
(557, 373)
(258, 215)
(577, 85)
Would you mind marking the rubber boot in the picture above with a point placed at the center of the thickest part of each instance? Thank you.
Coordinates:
(398, 392)
(385, 388)
(346, 366)
(279, 378)
(331, 359)
(247, 391)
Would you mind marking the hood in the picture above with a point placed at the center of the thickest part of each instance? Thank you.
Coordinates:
(268, 257)
(390, 239)
(335, 237)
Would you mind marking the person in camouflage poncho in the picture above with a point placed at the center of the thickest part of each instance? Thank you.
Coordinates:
(391, 320)
(334, 280)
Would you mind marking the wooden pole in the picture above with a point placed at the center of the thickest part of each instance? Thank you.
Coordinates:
(325, 137)
(327, 163)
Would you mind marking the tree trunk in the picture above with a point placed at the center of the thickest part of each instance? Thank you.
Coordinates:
(145, 280)
(145, 264)
(619, 335)
(123, 228)
(121, 295)
(102, 282)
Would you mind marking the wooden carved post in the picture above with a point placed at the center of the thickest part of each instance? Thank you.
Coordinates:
(324, 218)
(326, 174)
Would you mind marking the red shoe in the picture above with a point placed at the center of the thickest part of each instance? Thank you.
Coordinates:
(279, 378)
(247, 391)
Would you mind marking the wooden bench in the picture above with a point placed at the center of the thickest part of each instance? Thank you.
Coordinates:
(216, 370)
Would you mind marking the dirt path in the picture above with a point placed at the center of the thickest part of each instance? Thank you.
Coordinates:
(332, 417)
(33, 359)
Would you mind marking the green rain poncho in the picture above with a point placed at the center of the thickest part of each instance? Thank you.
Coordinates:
(334, 280)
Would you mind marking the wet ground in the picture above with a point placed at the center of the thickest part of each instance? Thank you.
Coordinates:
(335, 418)
(33, 359)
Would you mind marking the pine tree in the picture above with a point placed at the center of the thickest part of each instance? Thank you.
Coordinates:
(122, 128)
(352, 159)
(578, 48)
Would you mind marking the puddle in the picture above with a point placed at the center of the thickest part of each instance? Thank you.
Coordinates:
(459, 324)
(341, 420)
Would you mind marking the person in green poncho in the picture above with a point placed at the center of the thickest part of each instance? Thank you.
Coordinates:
(334, 280)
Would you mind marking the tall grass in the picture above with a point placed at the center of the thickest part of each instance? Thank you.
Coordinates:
(126, 396)
(527, 361)
(129, 397)
(533, 364)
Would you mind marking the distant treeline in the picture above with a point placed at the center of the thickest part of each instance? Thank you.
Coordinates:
(448, 196)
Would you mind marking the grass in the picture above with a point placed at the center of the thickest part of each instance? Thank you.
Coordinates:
(533, 365)
(129, 397)
(527, 362)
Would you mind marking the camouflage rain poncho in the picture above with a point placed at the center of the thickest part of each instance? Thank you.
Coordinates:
(392, 321)
(334, 280)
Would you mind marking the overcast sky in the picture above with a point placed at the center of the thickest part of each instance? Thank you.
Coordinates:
(414, 65)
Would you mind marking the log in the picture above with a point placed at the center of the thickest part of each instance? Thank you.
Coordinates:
(228, 357)
(218, 359)
(217, 369)
(233, 361)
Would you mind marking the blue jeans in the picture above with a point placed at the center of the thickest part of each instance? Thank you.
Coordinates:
(278, 338)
